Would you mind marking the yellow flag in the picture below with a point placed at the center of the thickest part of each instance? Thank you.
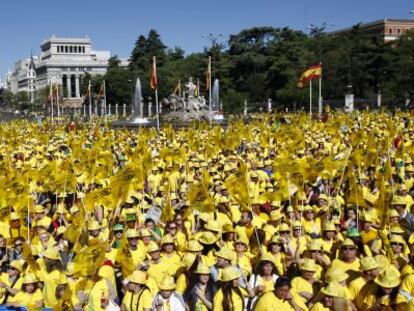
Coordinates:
(167, 211)
(236, 184)
(124, 258)
(200, 198)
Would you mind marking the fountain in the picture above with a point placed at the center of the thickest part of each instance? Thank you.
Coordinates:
(215, 105)
(137, 119)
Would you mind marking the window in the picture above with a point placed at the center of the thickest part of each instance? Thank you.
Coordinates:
(66, 49)
(83, 49)
(390, 31)
(75, 49)
(70, 49)
(398, 30)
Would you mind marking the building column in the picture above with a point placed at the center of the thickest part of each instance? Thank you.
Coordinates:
(68, 86)
(77, 86)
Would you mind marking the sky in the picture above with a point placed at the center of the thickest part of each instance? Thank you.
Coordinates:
(115, 25)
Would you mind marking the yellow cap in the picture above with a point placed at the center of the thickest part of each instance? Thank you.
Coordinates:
(314, 245)
(225, 253)
(334, 290)
(329, 226)
(14, 216)
(202, 269)
(308, 265)
(17, 264)
(229, 274)
(167, 239)
(398, 200)
(93, 225)
(167, 283)
(132, 233)
(153, 247)
(138, 277)
(369, 263)
(394, 213)
(51, 253)
(284, 228)
(188, 260)
(275, 215)
(389, 278)
(266, 257)
(335, 275)
(194, 246)
(213, 225)
(38, 209)
(348, 242)
(29, 278)
(207, 238)
(144, 233)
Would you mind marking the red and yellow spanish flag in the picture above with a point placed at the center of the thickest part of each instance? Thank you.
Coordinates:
(208, 77)
(153, 81)
(309, 74)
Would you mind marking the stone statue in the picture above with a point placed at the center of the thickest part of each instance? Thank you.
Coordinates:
(190, 88)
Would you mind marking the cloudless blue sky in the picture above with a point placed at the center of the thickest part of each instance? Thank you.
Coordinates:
(115, 25)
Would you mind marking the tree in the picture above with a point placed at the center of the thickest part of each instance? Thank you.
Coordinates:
(119, 83)
(138, 59)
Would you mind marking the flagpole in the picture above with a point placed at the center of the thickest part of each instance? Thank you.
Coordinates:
(320, 95)
(209, 89)
(104, 110)
(57, 101)
(310, 98)
(51, 97)
(156, 93)
(90, 99)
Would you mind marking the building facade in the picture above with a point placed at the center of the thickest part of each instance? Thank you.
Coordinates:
(23, 77)
(390, 29)
(64, 61)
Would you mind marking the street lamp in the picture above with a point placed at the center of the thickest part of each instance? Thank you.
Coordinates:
(214, 39)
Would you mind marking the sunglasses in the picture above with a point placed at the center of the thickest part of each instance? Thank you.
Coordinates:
(18, 245)
(397, 244)
(348, 248)
(132, 239)
(173, 228)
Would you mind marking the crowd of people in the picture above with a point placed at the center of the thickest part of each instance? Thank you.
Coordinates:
(279, 213)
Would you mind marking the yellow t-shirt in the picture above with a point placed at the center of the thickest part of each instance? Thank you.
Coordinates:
(94, 292)
(408, 284)
(28, 300)
(353, 268)
(238, 302)
(4, 277)
(355, 287)
(299, 284)
(244, 263)
(158, 271)
(279, 261)
(181, 284)
(131, 303)
(50, 282)
(173, 262)
(269, 302)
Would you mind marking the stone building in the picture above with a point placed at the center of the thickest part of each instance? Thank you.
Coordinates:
(64, 61)
(390, 29)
